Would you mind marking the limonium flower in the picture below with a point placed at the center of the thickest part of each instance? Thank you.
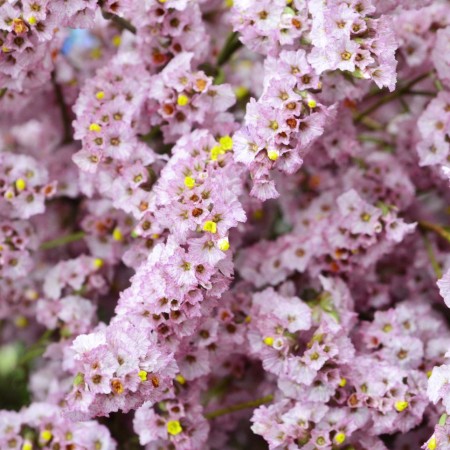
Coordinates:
(224, 224)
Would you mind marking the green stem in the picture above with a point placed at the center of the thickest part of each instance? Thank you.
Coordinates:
(371, 124)
(438, 229)
(424, 93)
(438, 85)
(62, 240)
(239, 407)
(384, 145)
(231, 45)
(391, 96)
(36, 349)
(3, 92)
(434, 262)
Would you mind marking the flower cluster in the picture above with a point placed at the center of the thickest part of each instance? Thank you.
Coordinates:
(41, 425)
(224, 224)
(282, 123)
(29, 38)
(180, 99)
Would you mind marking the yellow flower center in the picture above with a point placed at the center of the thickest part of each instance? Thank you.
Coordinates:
(189, 182)
(182, 100)
(401, 405)
(180, 379)
(226, 143)
(224, 244)
(174, 427)
(432, 443)
(346, 56)
(340, 438)
(143, 375)
(46, 435)
(117, 234)
(95, 127)
(98, 262)
(273, 155)
(116, 40)
(210, 226)
(21, 184)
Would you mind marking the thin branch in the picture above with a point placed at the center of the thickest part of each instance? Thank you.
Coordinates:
(239, 407)
(424, 93)
(434, 262)
(63, 240)
(391, 96)
(374, 139)
(438, 229)
(231, 45)
(119, 21)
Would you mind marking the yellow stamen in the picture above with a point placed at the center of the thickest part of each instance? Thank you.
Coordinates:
(32, 20)
(96, 53)
(273, 124)
(189, 182)
(241, 92)
(401, 405)
(95, 127)
(174, 426)
(21, 184)
(224, 244)
(312, 103)
(46, 435)
(116, 40)
(343, 382)
(210, 226)
(117, 234)
(432, 443)
(180, 379)
(100, 95)
(21, 321)
(340, 438)
(273, 155)
(182, 100)
(215, 152)
(27, 445)
(268, 341)
(226, 143)
(346, 56)
(98, 262)
(143, 375)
